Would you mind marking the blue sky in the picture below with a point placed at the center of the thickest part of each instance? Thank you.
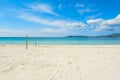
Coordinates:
(56, 18)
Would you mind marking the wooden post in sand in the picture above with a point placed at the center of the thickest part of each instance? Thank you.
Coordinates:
(26, 42)
(35, 44)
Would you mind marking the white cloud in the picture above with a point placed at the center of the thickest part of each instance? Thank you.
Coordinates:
(94, 16)
(81, 8)
(16, 32)
(79, 5)
(43, 21)
(5, 31)
(52, 30)
(109, 25)
(95, 21)
(48, 22)
(91, 5)
(86, 10)
(45, 8)
(76, 24)
(60, 6)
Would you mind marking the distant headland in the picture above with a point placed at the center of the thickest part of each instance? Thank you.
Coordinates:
(116, 35)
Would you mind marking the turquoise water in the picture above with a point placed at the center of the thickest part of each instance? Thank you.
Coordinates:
(61, 41)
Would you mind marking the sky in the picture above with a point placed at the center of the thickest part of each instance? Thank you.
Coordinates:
(59, 18)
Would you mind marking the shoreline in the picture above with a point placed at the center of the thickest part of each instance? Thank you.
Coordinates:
(60, 45)
(67, 44)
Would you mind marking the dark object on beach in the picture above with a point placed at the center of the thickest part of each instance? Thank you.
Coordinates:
(35, 44)
(26, 42)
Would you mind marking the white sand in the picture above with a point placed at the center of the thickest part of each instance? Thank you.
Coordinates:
(59, 62)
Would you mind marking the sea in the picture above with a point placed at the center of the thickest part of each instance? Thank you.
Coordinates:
(60, 41)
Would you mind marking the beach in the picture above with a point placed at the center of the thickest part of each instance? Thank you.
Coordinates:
(60, 62)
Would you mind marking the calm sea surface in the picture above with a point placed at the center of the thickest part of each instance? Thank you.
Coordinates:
(61, 41)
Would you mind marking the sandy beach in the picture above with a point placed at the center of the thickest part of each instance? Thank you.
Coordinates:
(60, 62)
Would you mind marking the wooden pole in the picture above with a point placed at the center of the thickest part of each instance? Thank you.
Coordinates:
(35, 44)
(26, 42)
